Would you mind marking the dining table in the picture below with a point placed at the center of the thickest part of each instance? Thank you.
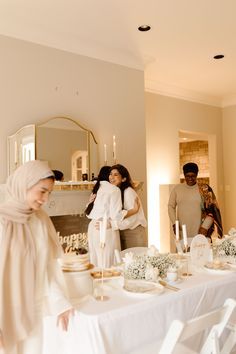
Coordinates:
(126, 321)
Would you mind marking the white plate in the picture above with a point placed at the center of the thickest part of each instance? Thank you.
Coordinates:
(223, 268)
(142, 288)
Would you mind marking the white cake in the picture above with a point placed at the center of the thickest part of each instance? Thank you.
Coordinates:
(75, 261)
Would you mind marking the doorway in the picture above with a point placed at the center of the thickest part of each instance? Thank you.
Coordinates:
(201, 149)
(79, 162)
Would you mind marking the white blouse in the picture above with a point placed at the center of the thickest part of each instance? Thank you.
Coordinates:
(135, 220)
(107, 202)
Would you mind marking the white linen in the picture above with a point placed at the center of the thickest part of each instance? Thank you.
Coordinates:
(124, 323)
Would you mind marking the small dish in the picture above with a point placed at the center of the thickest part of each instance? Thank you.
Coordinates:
(142, 287)
(218, 268)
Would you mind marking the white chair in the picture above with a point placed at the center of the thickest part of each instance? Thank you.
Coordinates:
(215, 321)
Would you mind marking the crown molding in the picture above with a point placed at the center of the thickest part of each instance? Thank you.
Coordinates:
(180, 93)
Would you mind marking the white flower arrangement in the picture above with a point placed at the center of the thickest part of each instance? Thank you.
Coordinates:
(140, 266)
(227, 248)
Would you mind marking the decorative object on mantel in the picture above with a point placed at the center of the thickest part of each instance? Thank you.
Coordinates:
(73, 186)
(85, 185)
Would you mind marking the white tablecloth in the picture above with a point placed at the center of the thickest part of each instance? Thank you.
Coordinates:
(128, 321)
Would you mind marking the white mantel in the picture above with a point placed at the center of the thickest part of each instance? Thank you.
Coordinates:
(61, 202)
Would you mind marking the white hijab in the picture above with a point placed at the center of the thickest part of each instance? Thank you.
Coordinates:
(18, 255)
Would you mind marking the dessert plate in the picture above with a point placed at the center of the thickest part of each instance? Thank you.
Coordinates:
(143, 288)
(218, 268)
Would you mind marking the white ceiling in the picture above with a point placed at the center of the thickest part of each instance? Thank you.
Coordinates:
(176, 55)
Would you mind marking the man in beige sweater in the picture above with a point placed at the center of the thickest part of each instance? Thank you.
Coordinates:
(194, 205)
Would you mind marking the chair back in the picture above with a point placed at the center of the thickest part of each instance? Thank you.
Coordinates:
(215, 320)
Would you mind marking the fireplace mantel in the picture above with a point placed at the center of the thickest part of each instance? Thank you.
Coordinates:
(62, 202)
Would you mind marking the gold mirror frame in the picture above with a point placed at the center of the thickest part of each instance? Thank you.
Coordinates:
(34, 134)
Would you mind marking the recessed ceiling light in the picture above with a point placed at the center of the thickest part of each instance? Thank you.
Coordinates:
(144, 28)
(219, 56)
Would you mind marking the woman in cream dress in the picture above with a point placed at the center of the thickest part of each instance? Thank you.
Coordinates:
(30, 279)
(132, 229)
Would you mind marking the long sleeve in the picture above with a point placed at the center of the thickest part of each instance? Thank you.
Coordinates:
(56, 294)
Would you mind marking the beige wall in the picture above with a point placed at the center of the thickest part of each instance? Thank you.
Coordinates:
(38, 82)
(165, 117)
(229, 150)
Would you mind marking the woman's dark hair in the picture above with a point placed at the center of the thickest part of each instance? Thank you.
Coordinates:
(124, 174)
(58, 175)
(102, 176)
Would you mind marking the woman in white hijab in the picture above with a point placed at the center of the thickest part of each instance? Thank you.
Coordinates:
(30, 278)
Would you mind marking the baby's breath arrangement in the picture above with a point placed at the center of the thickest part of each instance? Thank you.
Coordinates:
(137, 268)
(227, 248)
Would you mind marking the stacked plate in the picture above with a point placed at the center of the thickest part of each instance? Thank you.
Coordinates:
(71, 262)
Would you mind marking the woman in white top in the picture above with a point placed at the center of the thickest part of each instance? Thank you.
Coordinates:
(106, 203)
(132, 229)
(30, 278)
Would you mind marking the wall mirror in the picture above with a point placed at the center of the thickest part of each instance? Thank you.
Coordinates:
(61, 141)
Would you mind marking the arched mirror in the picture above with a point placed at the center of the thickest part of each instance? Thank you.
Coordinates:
(61, 141)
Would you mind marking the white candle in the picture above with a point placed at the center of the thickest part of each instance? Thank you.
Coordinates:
(185, 238)
(105, 154)
(177, 230)
(114, 148)
(103, 229)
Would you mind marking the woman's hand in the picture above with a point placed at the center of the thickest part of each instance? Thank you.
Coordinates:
(63, 319)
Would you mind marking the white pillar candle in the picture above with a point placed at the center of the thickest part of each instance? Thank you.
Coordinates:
(177, 230)
(185, 238)
(103, 229)
(114, 148)
(105, 154)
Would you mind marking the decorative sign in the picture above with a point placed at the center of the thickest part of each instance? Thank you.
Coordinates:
(200, 250)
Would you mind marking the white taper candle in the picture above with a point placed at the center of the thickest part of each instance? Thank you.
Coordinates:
(185, 238)
(177, 230)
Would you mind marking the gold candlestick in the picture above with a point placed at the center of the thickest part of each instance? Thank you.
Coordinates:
(101, 296)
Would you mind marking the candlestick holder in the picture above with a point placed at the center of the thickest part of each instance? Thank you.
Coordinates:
(101, 296)
(186, 272)
(179, 247)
